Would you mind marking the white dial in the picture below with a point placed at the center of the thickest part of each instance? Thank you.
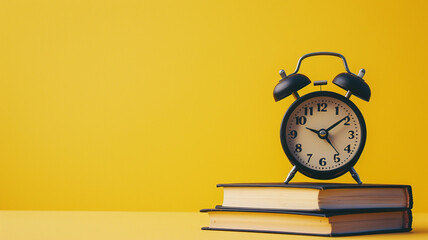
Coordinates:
(323, 133)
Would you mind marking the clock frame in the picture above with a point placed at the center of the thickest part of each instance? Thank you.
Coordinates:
(328, 174)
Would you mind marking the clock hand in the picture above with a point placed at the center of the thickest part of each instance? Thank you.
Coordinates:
(337, 123)
(329, 142)
(312, 130)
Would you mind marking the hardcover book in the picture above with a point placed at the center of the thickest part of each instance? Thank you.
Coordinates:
(316, 196)
(339, 223)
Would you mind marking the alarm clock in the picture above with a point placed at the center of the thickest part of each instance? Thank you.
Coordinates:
(323, 133)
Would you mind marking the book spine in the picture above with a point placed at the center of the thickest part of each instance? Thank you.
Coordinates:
(409, 219)
(409, 197)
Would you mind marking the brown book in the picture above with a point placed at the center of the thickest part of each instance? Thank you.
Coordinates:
(338, 223)
(316, 196)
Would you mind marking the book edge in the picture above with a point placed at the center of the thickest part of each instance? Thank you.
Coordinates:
(310, 234)
(310, 213)
(320, 186)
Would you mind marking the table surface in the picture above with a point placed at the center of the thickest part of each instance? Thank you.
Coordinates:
(145, 225)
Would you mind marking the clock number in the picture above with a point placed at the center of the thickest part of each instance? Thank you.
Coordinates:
(336, 158)
(309, 110)
(347, 120)
(298, 147)
(337, 110)
(323, 162)
(322, 107)
(348, 148)
(352, 134)
(309, 155)
(293, 134)
(300, 120)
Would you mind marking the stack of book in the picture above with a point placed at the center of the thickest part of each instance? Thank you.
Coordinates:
(313, 208)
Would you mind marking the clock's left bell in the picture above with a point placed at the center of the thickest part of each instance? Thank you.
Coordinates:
(289, 85)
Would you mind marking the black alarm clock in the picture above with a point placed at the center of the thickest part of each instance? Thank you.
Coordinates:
(323, 133)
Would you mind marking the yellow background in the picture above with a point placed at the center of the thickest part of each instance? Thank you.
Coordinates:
(146, 105)
(83, 225)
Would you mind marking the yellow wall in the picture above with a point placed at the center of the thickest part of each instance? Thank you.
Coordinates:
(146, 105)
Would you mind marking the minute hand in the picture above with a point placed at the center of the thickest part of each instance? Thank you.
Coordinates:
(337, 123)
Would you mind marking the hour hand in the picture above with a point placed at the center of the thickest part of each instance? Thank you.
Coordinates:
(313, 130)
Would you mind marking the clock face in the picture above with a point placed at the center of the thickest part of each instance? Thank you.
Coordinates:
(323, 134)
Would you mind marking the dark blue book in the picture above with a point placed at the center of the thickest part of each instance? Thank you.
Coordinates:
(332, 223)
(316, 196)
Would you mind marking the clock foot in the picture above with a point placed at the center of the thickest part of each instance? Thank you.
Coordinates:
(291, 175)
(354, 174)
